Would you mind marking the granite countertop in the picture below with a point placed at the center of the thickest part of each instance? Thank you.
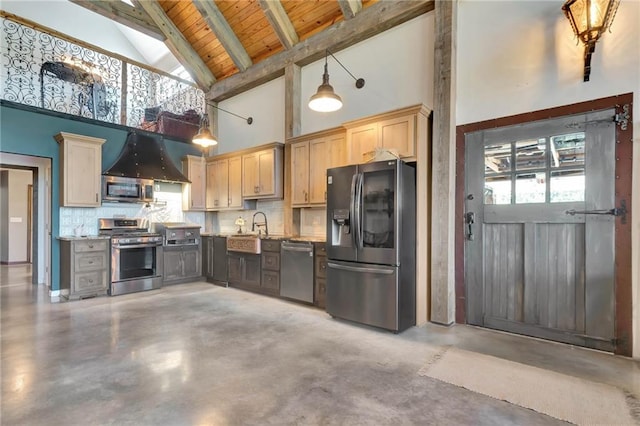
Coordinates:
(83, 237)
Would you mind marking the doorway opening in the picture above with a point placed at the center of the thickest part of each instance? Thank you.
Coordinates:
(25, 218)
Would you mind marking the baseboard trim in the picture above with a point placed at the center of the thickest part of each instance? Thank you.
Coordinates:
(58, 296)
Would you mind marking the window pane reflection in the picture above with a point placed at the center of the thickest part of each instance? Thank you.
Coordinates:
(531, 154)
(497, 158)
(530, 188)
(567, 150)
(567, 185)
(497, 190)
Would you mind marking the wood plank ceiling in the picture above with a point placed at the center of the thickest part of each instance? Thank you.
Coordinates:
(248, 42)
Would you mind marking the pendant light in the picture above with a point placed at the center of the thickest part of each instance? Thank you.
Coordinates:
(325, 99)
(204, 137)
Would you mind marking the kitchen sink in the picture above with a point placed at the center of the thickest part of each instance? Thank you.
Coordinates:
(244, 243)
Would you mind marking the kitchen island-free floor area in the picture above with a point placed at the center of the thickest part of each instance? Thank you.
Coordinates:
(197, 354)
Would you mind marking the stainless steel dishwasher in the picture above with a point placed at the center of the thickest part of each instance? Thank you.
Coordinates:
(296, 270)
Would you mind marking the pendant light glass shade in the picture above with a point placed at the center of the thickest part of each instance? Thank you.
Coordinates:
(325, 99)
(204, 138)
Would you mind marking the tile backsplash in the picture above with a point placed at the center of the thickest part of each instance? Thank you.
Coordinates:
(224, 222)
(313, 222)
(168, 209)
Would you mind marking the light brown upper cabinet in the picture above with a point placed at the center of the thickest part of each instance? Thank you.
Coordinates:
(262, 173)
(217, 192)
(224, 183)
(311, 156)
(193, 194)
(395, 131)
(80, 170)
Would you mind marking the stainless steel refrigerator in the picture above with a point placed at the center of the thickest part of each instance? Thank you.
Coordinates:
(371, 244)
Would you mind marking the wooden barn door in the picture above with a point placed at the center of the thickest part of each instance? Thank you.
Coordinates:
(540, 241)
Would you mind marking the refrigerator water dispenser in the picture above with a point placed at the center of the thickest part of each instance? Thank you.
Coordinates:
(340, 226)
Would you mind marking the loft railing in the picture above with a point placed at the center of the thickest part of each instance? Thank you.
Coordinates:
(46, 69)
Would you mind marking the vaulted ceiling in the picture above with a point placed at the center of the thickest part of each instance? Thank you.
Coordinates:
(229, 46)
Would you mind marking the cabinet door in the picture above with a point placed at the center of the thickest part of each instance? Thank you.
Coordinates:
(300, 173)
(234, 268)
(235, 182)
(250, 175)
(337, 149)
(399, 134)
(361, 140)
(319, 155)
(191, 263)
(207, 256)
(82, 168)
(222, 184)
(172, 264)
(251, 270)
(266, 173)
(195, 192)
(211, 192)
(220, 258)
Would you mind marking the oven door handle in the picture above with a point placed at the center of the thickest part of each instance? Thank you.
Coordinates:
(125, 246)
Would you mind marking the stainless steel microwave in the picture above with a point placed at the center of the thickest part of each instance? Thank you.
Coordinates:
(127, 190)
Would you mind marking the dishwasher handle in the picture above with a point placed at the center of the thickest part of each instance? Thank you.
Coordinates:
(297, 247)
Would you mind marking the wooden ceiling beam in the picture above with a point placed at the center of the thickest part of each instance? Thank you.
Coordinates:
(124, 14)
(350, 8)
(178, 44)
(280, 22)
(373, 20)
(221, 28)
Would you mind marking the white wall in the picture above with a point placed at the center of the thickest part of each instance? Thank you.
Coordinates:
(397, 66)
(265, 104)
(520, 56)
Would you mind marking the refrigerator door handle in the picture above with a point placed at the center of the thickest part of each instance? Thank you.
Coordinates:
(358, 210)
(352, 209)
(360, 269)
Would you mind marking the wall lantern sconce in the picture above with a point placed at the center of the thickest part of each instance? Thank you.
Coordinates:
(589, 20)
(325, 99)
(204, 137)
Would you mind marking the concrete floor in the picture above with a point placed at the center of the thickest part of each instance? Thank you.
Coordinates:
(198, 354)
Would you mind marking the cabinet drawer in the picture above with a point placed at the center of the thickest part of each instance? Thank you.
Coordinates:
(321, 267)
(91, 245)
(270, 245)
(321, 249)
(90, 261)
(270, 280)
(87, 282)
(271, 261)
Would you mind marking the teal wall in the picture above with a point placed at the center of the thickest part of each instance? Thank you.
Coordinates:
(31, 133)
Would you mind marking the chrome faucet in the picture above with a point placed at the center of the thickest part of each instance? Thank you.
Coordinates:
(259, 224)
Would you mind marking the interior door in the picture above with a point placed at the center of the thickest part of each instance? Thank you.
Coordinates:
(539, 254)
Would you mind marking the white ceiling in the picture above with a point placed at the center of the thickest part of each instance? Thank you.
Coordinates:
(78, 22)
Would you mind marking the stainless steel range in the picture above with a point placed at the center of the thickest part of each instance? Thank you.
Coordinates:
(136, 255)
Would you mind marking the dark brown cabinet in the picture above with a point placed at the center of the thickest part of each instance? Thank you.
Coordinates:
(207, 256)
(214, 259)
(244, 270)
(320, 274)
(181, 264)
(270, 266)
